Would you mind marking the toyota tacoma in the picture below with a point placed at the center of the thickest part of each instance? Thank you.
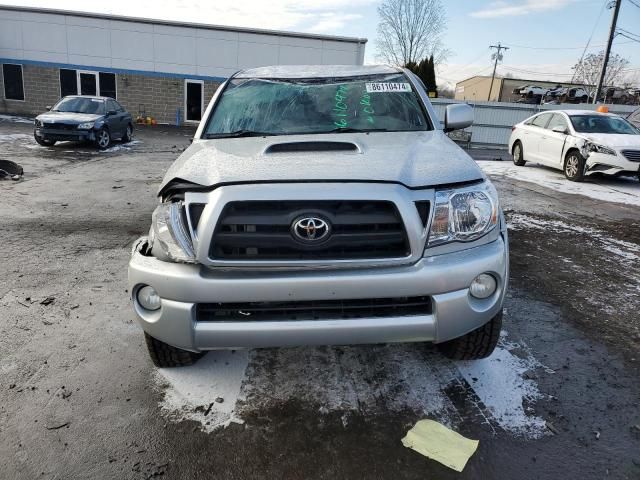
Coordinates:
(322, 205)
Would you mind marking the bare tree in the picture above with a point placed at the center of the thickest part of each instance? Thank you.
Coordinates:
(410, 30)
(587, 70)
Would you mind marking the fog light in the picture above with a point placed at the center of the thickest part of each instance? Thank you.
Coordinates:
(483, 286)
(148, 298)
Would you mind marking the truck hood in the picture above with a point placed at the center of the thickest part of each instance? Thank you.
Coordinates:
(68, 117)
(612, 140)
(414, 159)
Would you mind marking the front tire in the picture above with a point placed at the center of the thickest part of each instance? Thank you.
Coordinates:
(128, 134)
(44, 142)
(574, 166)
(475, 345)
(103, 139)
(518, 154)
(164, 355)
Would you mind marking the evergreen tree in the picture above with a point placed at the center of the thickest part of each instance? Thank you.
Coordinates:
(423, 70)
(430, 81)
(413, 66)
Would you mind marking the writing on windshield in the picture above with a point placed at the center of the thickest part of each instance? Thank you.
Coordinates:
(308, 106)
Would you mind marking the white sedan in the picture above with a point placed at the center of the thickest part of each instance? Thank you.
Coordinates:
(579, 142)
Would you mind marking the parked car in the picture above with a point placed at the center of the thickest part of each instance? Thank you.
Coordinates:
(322, 205)
(532, 90)
(615, 95)
(81, 118)
(570, 94)
(634, 118)
(579, 142)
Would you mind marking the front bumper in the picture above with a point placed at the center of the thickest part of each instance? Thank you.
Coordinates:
(445, 278)
(65, 135)
(610, 164)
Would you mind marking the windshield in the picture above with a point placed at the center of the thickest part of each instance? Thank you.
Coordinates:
(79, 105)
(602, 124)
(301, 106)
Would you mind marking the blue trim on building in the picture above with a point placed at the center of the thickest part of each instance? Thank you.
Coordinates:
(123, 71)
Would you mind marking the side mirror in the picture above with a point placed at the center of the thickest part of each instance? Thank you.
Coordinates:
(559, 129)
(48, 107)
(457, 116)
(111, 112)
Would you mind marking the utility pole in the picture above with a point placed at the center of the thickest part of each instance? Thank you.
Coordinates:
(612, 34)
(497, 57)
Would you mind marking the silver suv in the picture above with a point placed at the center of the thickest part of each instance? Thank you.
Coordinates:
(322, 205)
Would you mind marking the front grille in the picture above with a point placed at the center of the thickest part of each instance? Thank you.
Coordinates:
(314, 310)
(257, 230)
(59, 126)
(632, 155)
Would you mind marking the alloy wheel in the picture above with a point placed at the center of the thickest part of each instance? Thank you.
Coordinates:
(103, 140)
(572, 166)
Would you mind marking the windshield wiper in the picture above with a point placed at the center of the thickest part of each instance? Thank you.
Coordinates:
(356, 130)
(237, 133)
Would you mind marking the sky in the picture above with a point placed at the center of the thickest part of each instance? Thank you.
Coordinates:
(545, 37)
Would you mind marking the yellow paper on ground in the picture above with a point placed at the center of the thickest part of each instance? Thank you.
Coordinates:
(436, 441)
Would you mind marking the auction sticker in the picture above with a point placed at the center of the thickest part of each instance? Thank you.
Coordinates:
(388, 87)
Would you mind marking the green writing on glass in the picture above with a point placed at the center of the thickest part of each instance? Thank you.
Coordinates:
(365, 102)
(340, 107)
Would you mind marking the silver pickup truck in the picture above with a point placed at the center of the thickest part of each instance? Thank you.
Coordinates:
(322, 205)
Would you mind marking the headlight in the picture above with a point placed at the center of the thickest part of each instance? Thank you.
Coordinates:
(86, 126)
(464, 215)
(594, 147)
(38, 123)
(171, 232)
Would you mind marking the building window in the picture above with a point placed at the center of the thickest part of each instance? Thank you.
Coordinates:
(12, 77)
(68, 82)
(108, 85)
(91, 83)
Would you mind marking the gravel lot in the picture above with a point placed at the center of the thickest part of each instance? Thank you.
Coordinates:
(79, 397)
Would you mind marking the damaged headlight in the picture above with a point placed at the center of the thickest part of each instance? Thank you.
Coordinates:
(170, 231)
(594, 147)
(464, 215)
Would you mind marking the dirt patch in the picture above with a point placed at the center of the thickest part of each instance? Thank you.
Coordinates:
(590, 270)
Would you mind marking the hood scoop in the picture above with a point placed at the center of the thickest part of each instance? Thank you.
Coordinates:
(312, 146)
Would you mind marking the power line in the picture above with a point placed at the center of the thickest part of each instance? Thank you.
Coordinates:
(561, 48)
(623, 30)
(590, 37)
(634, 3)
(634, 39)
(484, 52)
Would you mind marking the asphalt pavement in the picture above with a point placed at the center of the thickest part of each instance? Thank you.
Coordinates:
(79, 397)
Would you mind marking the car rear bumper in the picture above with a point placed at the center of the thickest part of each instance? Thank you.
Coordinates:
(65, 135)
(444, 279)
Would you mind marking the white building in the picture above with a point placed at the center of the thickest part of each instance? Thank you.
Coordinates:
(168, 70)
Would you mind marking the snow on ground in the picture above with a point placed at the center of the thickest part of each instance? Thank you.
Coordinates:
(191, 392)
(626, 250)
(14, 137)
(618, 190)
(499, 381)
(364, 380)
(14, 119)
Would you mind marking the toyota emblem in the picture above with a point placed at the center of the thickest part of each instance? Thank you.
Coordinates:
(310, 229)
